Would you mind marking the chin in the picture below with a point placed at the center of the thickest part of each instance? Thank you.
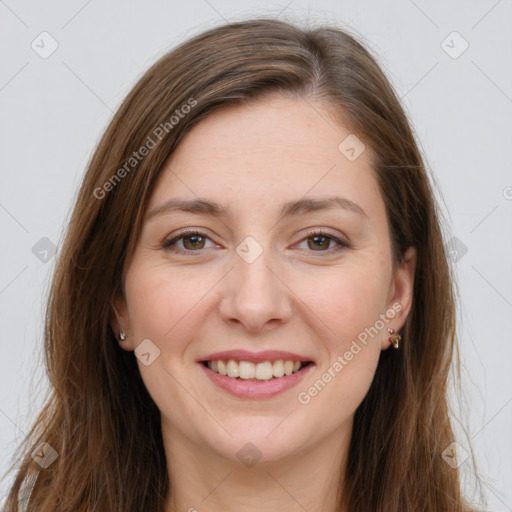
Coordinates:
(266, 439)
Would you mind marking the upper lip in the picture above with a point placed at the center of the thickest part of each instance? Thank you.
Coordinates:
(255, 357)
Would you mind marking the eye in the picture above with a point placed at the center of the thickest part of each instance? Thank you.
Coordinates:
(193, 241)
(190, 240)
(322, 241)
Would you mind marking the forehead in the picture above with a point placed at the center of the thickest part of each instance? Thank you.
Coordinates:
(271, 148)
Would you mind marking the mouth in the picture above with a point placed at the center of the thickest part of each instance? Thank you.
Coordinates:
(256, 372)
(262, 378)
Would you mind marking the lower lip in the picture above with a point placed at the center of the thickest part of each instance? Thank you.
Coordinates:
(254, 389)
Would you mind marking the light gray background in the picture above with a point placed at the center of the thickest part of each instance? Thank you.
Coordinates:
(54, 110)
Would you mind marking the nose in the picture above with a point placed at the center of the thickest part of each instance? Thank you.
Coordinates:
(255, 296)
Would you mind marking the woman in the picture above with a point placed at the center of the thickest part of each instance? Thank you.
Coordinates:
(252, 307)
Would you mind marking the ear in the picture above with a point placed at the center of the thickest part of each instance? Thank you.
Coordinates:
(401, 293)
(120, 321)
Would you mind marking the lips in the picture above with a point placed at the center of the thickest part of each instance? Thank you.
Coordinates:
(255, 375)
(255, 357)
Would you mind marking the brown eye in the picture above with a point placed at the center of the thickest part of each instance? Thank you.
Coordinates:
(192, 242)
(188, 242)
(319, 242)
(322, 242)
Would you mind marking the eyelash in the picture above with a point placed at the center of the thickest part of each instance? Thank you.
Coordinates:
(168, 244)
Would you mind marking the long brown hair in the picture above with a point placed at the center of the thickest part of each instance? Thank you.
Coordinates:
(99, 417)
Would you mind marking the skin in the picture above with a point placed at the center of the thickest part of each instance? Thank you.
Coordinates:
(293, 297)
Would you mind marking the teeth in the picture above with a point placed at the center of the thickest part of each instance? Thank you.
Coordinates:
(260, 371)
(247, 370)
(232, 369)
(278, 367)
(264, 371)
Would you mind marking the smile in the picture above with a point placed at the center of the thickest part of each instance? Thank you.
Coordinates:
(262, 371)
(255, 381)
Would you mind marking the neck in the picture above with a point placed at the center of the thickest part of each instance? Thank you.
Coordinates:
(205, 481)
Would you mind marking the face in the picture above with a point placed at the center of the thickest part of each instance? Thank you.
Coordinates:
(286, 257)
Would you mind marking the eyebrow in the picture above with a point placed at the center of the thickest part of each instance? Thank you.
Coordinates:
(290, 209)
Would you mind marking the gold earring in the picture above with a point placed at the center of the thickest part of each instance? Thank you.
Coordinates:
(394, 339)
(122, 336)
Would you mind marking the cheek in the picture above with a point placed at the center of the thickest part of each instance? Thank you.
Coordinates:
(162, 300)
(165, 306)
(347, 299)
(346, 303)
